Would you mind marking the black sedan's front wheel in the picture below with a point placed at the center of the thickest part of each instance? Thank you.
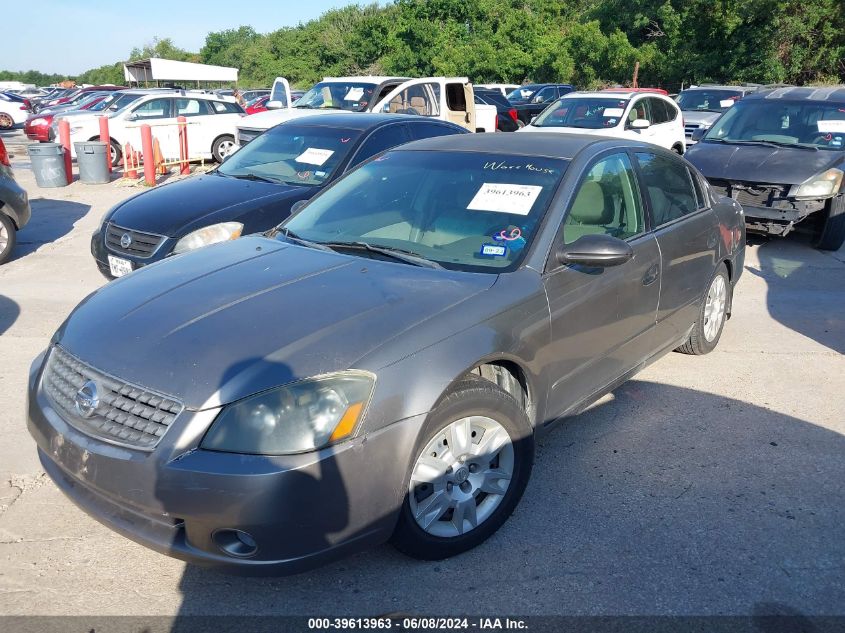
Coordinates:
(471, 465)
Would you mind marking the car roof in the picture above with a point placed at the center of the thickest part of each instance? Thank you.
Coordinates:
(376, 79)
(803, 93)
(362, 120)
(720, 87)
(540, 144)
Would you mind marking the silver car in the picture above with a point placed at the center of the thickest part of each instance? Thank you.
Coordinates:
(14, 206)
(378, 366)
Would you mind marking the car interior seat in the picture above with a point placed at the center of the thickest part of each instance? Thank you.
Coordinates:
(591, 212)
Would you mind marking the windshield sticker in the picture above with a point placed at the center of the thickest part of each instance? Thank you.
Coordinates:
(314, 156)
(617, 112)
(726, 103)
(494, 250)
(508, 236)
(354, 94)
(505, 198)
(303, 175)
(502, 165)
(831, 125)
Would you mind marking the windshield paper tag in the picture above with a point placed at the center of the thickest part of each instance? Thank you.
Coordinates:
(354, 94)
(505, 198)
(831, 125)
(609, 112)
(314, 156)
(726, 103)
(494, 250)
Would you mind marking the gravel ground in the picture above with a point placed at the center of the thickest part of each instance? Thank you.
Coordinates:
(711, 485)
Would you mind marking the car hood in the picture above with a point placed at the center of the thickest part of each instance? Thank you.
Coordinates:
(180, 207)
(233, 319)
(759, 163)
(700, 116)
(266, 120)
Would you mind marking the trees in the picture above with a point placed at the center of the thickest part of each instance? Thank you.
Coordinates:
(586, 42)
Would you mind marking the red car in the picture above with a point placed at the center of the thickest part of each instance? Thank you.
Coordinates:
(70, 95)
(37, 126)
(258, 105)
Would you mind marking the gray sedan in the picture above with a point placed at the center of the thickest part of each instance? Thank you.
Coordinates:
(378, 366)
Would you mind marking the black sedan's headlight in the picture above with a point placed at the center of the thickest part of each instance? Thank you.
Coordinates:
(299, 417)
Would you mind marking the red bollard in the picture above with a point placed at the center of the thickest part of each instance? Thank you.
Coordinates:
(64, 139)
(185, 167)
(147, 150)
(104, 137)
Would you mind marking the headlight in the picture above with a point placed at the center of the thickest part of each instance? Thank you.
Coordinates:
(299, 417)
(824, 184)
(38, 121)
(209, 235)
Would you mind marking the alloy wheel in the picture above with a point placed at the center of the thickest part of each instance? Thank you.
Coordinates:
(224, 148)
(4, 239)
(461, 476)
(714, 308)
(6, 121)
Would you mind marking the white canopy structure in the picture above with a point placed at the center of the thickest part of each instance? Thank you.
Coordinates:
(155, 69)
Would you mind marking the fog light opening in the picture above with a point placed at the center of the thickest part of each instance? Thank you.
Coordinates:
(235, 543)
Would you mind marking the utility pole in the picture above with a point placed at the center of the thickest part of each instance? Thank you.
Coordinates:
(636, 74)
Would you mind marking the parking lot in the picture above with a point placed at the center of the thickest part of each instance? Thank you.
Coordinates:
(705, 485)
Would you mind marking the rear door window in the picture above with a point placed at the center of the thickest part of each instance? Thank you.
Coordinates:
(669, 188)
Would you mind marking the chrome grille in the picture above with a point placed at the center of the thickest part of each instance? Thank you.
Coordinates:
(125, 415)
(689, 128)
(246, 135)
(141, 244)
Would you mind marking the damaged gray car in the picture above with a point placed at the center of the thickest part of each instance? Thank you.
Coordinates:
(377, 367)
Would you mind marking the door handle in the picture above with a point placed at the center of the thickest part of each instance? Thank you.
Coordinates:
(651, 275)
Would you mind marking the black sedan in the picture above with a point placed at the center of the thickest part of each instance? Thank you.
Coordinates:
(253, 191)
(531, 99)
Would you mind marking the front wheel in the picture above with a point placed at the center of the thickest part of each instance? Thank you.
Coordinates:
(223, 147)
(471, 465)
(707, 330)
(8, 237)
(831, 232)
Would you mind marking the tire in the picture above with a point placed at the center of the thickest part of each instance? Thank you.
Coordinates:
(6, 122)
(704, 336)
(222, 147)
(8, 237)
(474, 404)
(115, 152)
(831, 233)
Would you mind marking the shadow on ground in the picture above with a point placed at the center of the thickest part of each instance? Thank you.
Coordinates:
(799, 280)
(659, 500)
(51, 220)
(9, 313)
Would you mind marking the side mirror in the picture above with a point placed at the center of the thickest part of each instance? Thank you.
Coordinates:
(595, 250)
(640, 124)
(295, 208)
(698, 134)
(275, 105)
(131, 117)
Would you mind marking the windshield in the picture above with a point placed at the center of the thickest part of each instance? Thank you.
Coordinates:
(523, 93)
(340, 95)
(590, 113)
(293, 154)
(799, 123)
(707, 100)
(464, 211)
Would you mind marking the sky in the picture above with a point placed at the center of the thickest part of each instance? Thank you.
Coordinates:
(71, 36)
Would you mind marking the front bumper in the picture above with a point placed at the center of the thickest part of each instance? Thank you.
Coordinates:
(13, 199)
(101, 254)
(301, 510)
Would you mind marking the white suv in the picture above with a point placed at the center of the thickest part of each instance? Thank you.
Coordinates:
(635, 115)
(212, 122)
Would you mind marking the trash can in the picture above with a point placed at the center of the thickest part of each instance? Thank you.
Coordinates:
(92, 160)
(48, 164)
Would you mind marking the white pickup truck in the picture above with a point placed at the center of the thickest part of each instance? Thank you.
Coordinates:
(444, 98)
